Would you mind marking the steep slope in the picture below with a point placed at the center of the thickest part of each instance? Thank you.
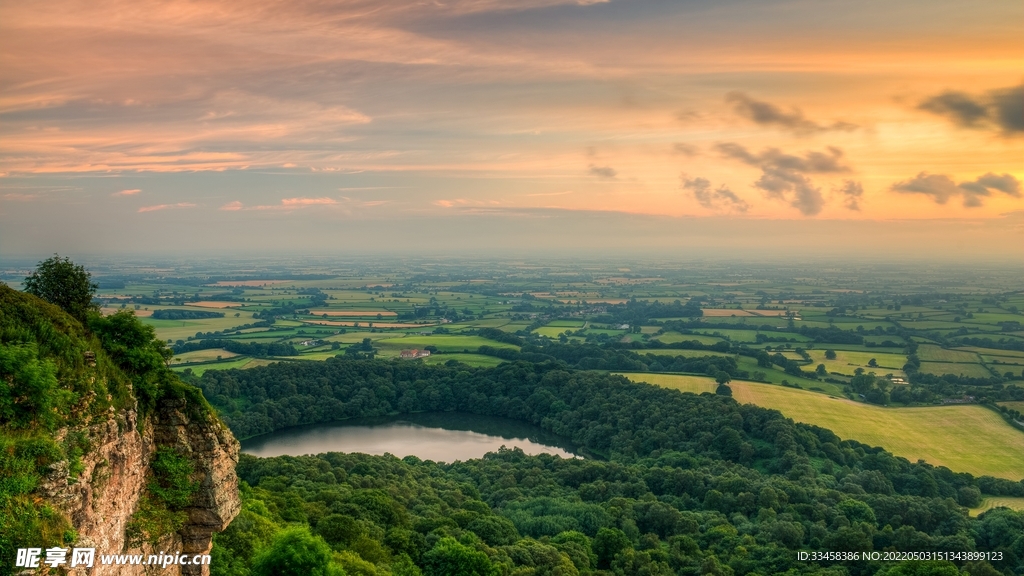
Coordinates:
(101, 446)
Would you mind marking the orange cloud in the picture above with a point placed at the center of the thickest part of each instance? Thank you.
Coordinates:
(131, 192)
(166, 206)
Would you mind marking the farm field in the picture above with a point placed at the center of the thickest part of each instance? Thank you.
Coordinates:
(208, 355)
(673, 337)
(443, 342)
(477, 360)
(183, 329)
(847, 361)
(552, 331)
(990, 502)
(934, 434)
(199, 369)
(937, 354)
(969, 370)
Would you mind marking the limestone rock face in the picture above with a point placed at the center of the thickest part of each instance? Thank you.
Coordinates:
(100, 502)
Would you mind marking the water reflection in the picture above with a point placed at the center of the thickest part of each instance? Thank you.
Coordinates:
(442, 437)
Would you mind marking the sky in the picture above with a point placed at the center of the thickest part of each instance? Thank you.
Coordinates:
(724, 127)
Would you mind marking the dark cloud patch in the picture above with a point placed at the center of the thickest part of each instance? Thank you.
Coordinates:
(768, 114)
(1001, 109)
(942, 188)
(1008, 108)
(959, 107)
(852, 192)
(603, 172)
(721, 198)
(685, 149)
(784, 176)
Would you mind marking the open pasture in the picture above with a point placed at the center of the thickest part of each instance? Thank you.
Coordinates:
(182, 329)
(365, 323)
(966, 438)
(354, 313)
(443, 342)
(929, 353)
(990, 502)
(718, 312)
(673, 337)
(847, 361)
(552, 331)
(993, 351)
(199, 369)
(475, 360)
(208, 355)
(969, 370)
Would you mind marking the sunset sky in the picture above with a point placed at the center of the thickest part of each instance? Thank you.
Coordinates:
(128, 126)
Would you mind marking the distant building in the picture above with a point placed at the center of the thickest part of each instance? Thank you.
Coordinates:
(413, 354)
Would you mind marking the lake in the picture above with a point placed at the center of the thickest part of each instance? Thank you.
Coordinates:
(442, 437)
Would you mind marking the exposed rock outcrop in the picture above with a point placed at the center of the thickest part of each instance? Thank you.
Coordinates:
(101, 501)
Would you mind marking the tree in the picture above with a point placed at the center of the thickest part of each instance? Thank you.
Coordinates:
(820, 370)
(608, 543)
(451, 558)
(723, 390)
(723, 378)
(61, 282)
(296, 552)
(830, 354)
(873, 363)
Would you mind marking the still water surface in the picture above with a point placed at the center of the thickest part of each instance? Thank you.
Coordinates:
(442, 437)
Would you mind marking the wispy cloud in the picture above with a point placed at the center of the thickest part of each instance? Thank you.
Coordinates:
(941, 188)
(301, 203)
(130, 192)
(158, 207)
(719, 199)
(768, 114)
(19, 197)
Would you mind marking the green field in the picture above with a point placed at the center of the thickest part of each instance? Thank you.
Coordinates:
(990, 502)
(183, 329)
(208, 355)
(469, 359)
(938, 354)
(198, 370)
(673, 337)
(552, 331)
(939, 435)
(969, 370)
(443, 342)
(847, 361)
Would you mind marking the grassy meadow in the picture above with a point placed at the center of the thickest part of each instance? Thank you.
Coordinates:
(933, 434)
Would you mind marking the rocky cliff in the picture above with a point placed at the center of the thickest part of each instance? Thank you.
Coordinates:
(101, 478)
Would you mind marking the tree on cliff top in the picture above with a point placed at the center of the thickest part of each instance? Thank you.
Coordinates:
(62, 282)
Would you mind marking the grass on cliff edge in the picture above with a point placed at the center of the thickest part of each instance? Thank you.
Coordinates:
(962, 438)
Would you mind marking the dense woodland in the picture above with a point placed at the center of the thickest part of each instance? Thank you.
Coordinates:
(685, 484)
